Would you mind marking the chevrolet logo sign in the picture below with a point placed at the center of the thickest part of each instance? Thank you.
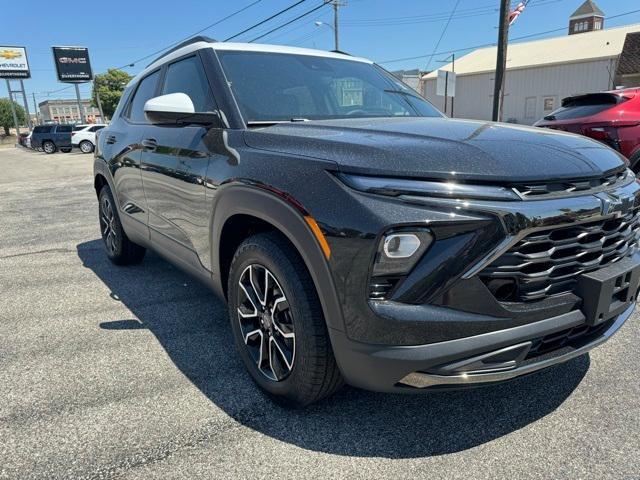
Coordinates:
(10, 54)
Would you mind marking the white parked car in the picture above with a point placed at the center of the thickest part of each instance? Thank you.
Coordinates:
(84, 136)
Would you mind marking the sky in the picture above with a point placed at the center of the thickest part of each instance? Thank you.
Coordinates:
(118, 32)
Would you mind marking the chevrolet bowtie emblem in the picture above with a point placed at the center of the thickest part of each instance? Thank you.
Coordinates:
(612, 203)
(10, 54)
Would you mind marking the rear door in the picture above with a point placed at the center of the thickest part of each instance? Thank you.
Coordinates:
(63, 136)
(121, 147)
(174, 164)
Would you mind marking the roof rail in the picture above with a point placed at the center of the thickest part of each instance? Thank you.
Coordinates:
(197, 38)
(340, 51)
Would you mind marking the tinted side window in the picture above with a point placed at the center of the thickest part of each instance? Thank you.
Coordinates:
(187, 76)
(64, 129)
(96, 128)
(146, 90)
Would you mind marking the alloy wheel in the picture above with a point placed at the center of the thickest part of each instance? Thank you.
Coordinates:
(86, 147)
(107, 224)
(48, 147)
(266, 322)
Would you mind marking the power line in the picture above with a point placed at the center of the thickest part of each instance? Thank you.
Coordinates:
(308, 12)
(492, 44)
(444, 30)
(265, 20)
(217, 22)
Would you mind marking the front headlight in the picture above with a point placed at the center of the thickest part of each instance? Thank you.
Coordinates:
(400, 186)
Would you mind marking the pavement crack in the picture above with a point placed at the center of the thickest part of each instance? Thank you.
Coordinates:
(37, 252)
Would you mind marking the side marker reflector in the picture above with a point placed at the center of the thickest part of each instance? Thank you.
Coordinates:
(319, 236)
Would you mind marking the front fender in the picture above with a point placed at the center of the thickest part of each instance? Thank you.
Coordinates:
(237, 199)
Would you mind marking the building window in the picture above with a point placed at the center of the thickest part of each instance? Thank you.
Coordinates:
(549, 103)
(576, 26)
(597, 25)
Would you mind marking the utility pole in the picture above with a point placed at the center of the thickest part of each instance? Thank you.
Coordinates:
(35, 108)
(336, 36)
(501, 61)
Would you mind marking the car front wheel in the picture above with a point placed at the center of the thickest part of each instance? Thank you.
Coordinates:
(278, 323)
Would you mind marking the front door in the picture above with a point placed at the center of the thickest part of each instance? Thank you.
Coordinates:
(174, 165)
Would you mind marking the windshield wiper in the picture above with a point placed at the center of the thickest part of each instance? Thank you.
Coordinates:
(403, 92)
(266, 123)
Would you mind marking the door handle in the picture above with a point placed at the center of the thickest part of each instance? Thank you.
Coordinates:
(149, 144)
(111, 139)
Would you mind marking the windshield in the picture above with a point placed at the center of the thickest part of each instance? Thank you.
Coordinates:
(584, 106)
(284, 87)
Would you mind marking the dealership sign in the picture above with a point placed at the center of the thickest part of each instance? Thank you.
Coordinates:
(72, 64)
(13, 63)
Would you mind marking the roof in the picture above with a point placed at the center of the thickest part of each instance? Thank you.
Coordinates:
(246, 47)
(629, 62)
(598, 44)
(588, 8)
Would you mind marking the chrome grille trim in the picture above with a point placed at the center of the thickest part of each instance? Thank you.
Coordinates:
(565, 188)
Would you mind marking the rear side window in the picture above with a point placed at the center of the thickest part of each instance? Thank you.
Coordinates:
(42, 129)
(95, 128)
(146, 90)
(64, 129)
(187, 76)
(584, 106)
(79, 127)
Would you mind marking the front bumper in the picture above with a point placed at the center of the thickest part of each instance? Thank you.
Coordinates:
(501, 355)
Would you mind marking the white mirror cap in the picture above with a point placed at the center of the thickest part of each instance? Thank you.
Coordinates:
(173, 102)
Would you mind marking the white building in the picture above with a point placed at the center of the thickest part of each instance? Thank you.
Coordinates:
(541, 73)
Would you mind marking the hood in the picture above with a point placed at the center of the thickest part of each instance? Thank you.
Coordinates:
(441, 148)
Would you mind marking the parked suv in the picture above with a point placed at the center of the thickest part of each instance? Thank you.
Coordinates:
(612, 118)
(84, 137)
(355, 233)
(51, 138)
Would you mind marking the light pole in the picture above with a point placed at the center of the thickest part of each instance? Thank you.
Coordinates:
(335, 35)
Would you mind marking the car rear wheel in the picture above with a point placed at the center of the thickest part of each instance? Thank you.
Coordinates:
(86, 146)
(120, 249)
(48, 147)
(278, 324)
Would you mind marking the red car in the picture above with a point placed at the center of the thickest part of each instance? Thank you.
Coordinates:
(611, 117)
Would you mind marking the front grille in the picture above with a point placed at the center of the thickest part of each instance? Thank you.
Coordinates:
(571, 337)
(548, 262)
(537, 191)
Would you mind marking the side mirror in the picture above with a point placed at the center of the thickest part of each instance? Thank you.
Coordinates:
(177, 109)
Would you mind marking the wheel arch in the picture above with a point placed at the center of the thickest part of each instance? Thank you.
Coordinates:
(239, 206)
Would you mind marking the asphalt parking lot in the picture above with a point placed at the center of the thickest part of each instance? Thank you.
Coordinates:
(130, 372)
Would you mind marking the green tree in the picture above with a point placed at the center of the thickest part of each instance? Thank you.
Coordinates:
(110, 86)
(6, 118)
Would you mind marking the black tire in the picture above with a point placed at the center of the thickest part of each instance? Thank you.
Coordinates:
(313, 373)
(119, 248)
(86, 146)
(65, 150)
(49, 147)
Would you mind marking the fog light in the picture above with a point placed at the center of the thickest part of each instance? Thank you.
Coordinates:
(399, 251)
(401, 245)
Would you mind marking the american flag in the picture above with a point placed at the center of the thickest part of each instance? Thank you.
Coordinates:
(513, 16)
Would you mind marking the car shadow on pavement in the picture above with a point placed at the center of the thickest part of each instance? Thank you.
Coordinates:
(193, 327)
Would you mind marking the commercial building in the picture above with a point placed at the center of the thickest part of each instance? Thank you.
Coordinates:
(541, 73)
(66, 111)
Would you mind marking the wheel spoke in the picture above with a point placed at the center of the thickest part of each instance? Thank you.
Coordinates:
(252, 333)
(284, 358)
(255, 288)
(252, 298)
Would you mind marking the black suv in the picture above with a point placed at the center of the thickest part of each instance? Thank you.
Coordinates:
(51, 138)
(356, 234)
